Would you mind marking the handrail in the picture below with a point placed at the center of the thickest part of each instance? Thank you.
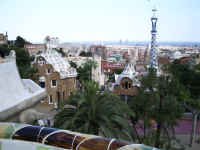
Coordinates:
(64, 138)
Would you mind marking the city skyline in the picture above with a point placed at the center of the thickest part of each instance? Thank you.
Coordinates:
(105, 20)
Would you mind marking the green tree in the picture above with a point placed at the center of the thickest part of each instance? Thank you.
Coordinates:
(61, 52)
(73, 64)
(4, 51)
(85, 70)
(118, 71)
(189, 77)
(82, 53)
(111, 76)
(19, 42)
(94, 112)
(85, 54)
(23, 60)
(157, 101)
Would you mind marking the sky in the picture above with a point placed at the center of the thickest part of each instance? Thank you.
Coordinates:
(100, 20)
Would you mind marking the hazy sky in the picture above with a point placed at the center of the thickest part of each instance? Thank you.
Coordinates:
(73, 20)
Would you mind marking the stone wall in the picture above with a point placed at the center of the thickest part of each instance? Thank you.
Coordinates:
(63, 88)
(125, 87)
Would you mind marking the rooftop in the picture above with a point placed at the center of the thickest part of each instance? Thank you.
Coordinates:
(16, 93)
(59, 64)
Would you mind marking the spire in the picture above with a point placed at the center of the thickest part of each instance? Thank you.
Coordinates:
(153, 51)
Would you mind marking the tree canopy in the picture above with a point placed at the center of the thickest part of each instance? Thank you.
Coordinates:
(189, 77)
(23, 59)
(85, 54)
(157, 109)
(19, 42)
(4, 51)
(85, 70)
(95, 112)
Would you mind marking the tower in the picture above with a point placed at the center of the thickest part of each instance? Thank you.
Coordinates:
(153, 51)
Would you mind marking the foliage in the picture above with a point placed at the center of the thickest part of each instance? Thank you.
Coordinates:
(189, 77)
(72, 64)
(85, 70)
(157, 109)
(4, 51)
(61, 52)
(19, 42)
(111, 76)
(118, 71)
(23, 59)
(28, 72)
(85, 54)
(95, 113)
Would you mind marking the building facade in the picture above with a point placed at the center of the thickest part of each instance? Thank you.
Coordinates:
(3, 39)
(125, 87)
(34, 49)
(56, 76)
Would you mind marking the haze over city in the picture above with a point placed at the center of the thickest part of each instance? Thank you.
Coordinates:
(91, 20)
(99, 74)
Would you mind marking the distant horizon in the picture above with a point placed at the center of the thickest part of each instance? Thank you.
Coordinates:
(123, 41)
(114, 41)
(118, 41)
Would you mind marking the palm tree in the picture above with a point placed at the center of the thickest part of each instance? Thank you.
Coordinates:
(96, 112)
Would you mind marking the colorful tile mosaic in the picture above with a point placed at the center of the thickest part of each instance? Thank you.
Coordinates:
(64, 138)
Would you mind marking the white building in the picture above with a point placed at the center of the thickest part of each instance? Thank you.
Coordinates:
(16, 94)
(51, 42)
(56, 76)
(97, 74)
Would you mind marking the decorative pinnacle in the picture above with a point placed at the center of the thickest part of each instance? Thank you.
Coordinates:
(154, 10)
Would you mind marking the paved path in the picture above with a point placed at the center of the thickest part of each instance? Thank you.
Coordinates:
(183, 131)
(185, 127)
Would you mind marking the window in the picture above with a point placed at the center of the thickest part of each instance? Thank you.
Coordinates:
(50, 99)
(129, 85)
(123, 85)
(42, 84)
(63, 95)
(41, 61)
(53, 83)
(126, 85)
(48, 70)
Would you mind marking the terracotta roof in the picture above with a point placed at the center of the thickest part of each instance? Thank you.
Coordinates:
(183, 60)
(163, 60)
